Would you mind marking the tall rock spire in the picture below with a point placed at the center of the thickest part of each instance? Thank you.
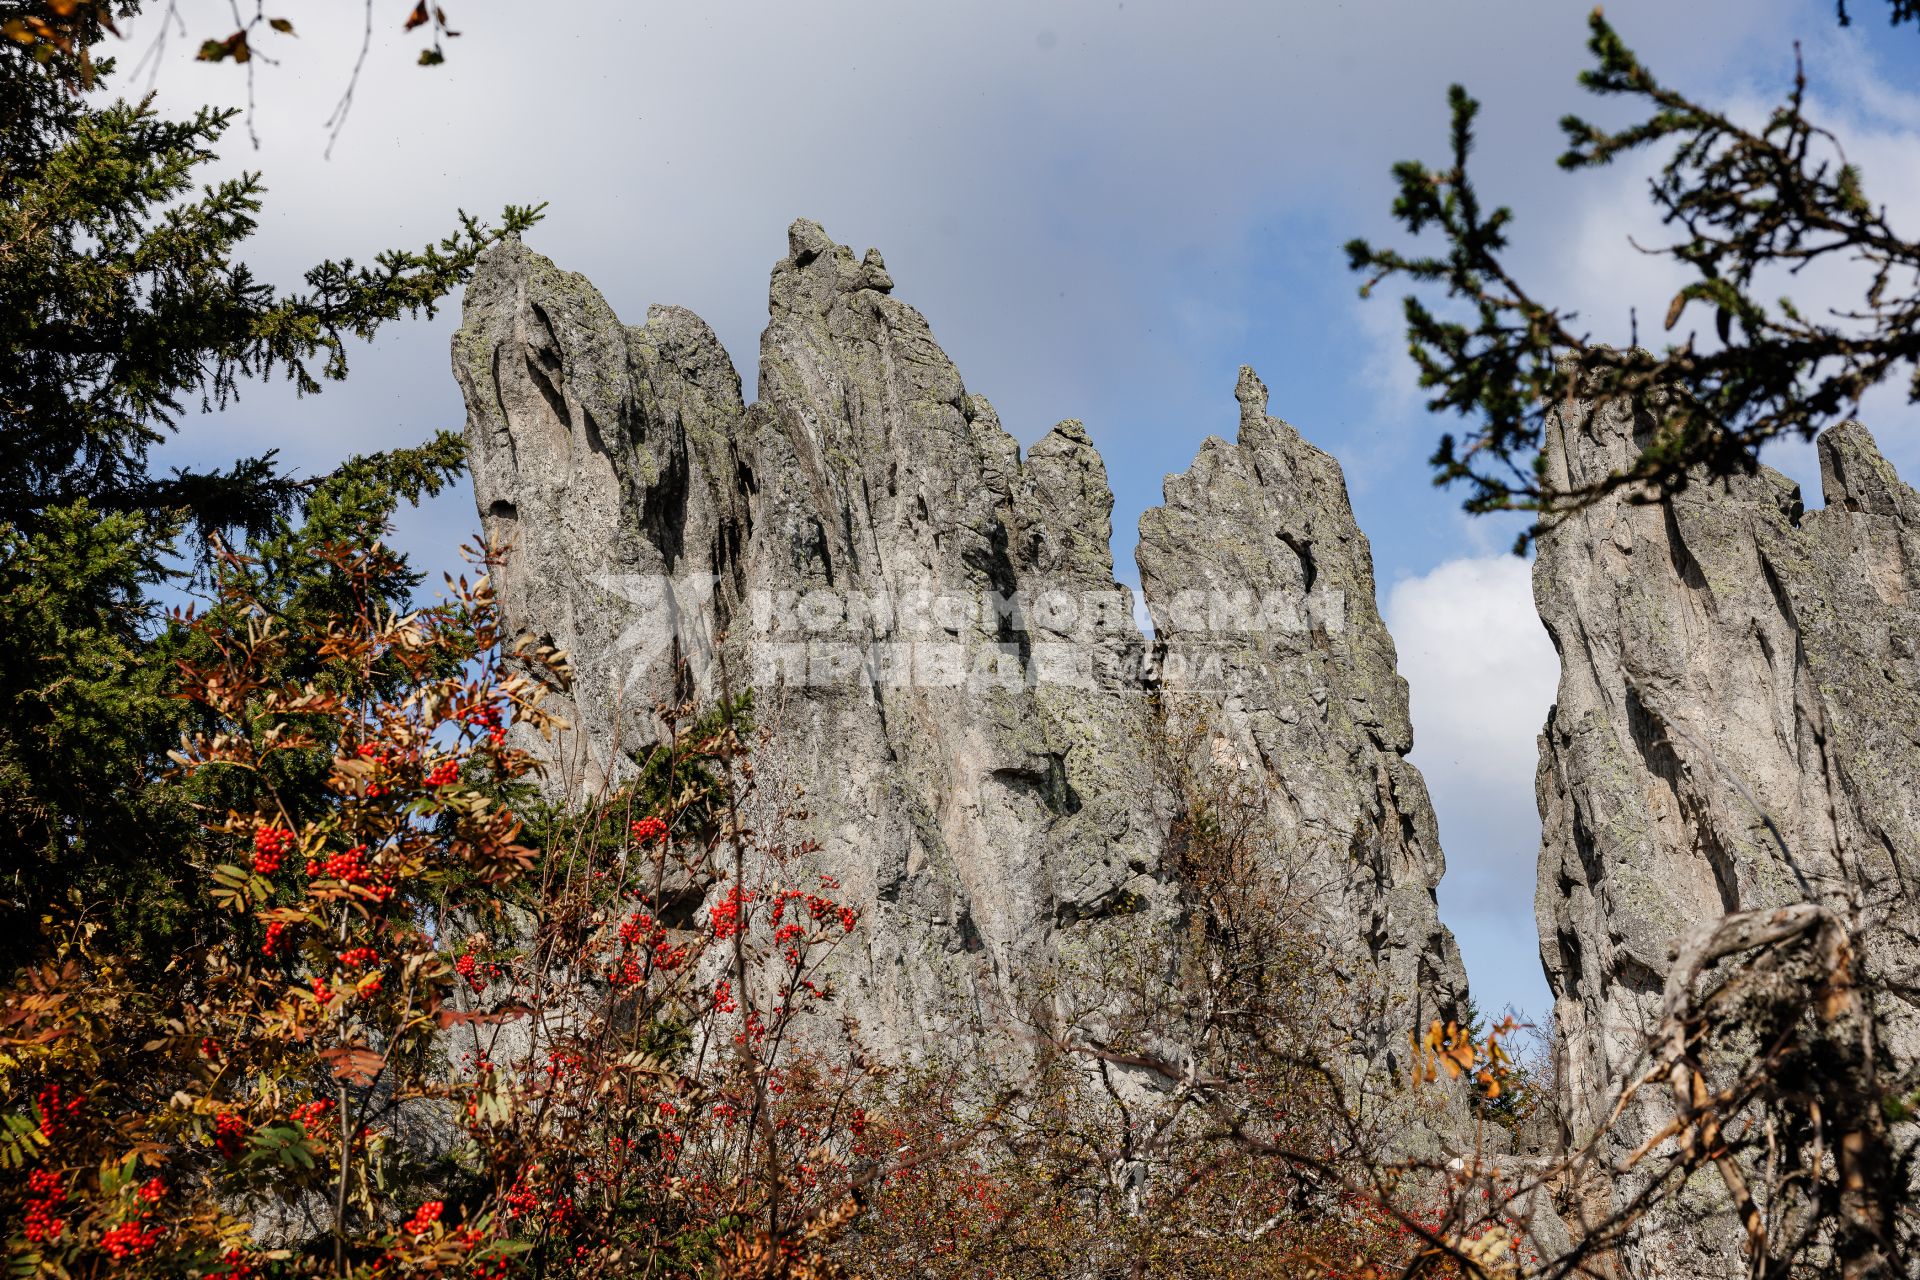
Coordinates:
(1736, 727)
(1260, 585)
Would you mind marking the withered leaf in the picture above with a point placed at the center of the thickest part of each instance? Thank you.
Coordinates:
(356, 1064)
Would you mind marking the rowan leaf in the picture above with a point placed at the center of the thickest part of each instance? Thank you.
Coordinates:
(355, 1064)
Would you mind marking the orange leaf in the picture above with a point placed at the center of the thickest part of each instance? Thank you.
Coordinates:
(418, 17)
(355, 1064)
(1674, 309)
(456, 1018)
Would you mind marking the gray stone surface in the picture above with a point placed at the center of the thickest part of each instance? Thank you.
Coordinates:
(985, 826)
(1300, 693)
(1724, 654)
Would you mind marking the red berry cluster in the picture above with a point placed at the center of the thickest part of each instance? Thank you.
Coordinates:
(270, 845)
(726, 913)
(308, 1115)
(423, 1218)
(322, 993)
(229, 1134)
(130, 1240)
(238, 1268)
(521, 1199)
(754, 1031)
(44, 1223)
(359, 957)
(385, 757)
(153, 1190)
(636, 927)
(818, 908)
(640, 932)
(647, 830)
(488, 718)
(627, 972)
(723, 1001)
(276, 939)
(57, 1110)
(443, 773)
(351, 868)
(469, 966)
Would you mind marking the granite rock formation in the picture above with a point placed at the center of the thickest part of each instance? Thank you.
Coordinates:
(1261, 588)
(1728, 660)
(929, 620)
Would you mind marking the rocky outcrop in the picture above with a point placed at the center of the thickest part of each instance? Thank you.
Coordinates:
(1736, 727)
(1261, 588)
(949, 673)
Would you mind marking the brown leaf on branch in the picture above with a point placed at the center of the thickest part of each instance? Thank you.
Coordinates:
(234, 46)
(460, 1018)
(355, 1064)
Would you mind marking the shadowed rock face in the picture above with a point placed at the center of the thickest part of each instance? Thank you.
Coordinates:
(947, 672)
(1724, 655)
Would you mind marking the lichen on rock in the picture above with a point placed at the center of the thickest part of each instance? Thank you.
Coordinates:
(1736, 724)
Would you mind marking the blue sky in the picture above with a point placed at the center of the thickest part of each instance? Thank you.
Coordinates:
(1103, 208)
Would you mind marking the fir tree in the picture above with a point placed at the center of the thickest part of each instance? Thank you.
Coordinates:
(122, 306)
(1746, 205)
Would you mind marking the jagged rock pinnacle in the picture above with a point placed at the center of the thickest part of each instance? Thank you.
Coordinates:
(986, 828)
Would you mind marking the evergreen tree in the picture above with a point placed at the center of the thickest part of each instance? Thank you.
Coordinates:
(123, 306)
(1747, 205)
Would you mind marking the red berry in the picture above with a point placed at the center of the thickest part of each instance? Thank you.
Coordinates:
(270, 845)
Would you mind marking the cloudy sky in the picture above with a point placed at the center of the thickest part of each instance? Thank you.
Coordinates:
(1104, 208)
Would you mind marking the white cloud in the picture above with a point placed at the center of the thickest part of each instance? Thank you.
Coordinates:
(1480, 665)
(1043, 182)
(1482, 674)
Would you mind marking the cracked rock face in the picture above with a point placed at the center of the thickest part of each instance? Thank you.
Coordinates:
(948, 675)
(1261, 589)
(1727, 659)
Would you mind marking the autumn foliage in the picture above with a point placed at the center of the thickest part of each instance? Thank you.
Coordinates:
(428, 1023)
(407, 1039)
